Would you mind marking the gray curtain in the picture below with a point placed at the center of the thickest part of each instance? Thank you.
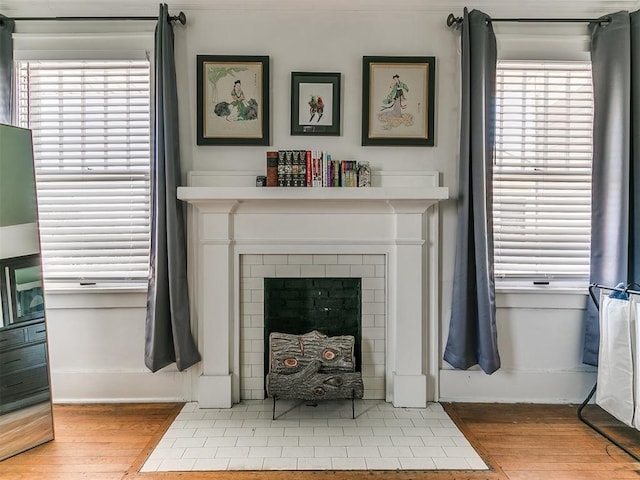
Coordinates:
(168, 336)
(6, 66)
(472, 330)
(615, 215)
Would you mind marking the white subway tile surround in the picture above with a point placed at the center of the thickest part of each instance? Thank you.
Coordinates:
(255, 268)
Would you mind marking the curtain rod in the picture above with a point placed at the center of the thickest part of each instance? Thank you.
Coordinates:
(453, 20)
(181, 17)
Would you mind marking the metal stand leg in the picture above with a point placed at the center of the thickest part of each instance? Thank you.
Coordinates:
(274, 408)
(604, 434)
(353, 405)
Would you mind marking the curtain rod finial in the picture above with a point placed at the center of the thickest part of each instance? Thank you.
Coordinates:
(453, 20)
(181, 17)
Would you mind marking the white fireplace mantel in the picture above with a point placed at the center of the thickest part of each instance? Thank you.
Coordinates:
(396, 220)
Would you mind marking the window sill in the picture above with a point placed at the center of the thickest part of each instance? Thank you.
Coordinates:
(542, 297)
(61, 297)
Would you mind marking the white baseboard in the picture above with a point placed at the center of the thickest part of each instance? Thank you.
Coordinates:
(119, 387)
(512, 386)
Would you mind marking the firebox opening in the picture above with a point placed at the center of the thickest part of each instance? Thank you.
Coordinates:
(300, 305)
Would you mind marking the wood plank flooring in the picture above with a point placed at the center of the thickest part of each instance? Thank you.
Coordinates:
(519, 442)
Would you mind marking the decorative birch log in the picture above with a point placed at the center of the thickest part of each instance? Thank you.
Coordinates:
(292, 353)
(313, 367)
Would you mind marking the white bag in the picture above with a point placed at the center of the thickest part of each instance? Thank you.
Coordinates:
(615, 392)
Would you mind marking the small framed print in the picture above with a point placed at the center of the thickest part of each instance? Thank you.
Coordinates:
(232, 100)
(398, 101)
(315, 103)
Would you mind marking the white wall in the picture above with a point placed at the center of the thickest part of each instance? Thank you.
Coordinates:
(97, 345)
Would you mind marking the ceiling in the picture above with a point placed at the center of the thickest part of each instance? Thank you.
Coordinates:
(521, 8)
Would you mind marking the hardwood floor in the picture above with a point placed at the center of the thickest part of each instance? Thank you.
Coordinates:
(519, 442)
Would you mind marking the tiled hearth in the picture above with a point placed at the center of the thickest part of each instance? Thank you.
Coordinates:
(313, 438)
(255, 268)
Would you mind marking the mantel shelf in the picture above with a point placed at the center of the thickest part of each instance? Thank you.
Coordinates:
(196, 195)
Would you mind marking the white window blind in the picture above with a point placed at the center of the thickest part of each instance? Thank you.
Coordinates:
(91, 134)
(542, 171)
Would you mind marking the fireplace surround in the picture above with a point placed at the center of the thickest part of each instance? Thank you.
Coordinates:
(395, 220)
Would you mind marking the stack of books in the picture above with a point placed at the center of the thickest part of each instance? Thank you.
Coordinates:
(309, 168)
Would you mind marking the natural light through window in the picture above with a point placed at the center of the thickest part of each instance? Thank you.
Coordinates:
(91, 135)
(542, 172)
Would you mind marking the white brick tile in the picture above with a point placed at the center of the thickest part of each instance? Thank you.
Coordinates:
(163, 453)
(251, 259)
(327, 431)
(368, 295)
(363, 271)
(350, 259)
(325, 259)
(206, 452)
(265, 452)
(382, 463)
(315, 441)
(252, 308)
(380, 320)
(338, 270)
(358, 431)
(313, 271)
(329, 452)
(251, 283)
(257, 296)
(251, 442)
(298, 431)
(232, 452)
(446, 432)
(395, 452)
(269, 432)
(245, 464)
(461, 441)
(220, 441)
(238, 432)
(417, 431)
(300, 259)
(437, 441)
(314, 464)
(151, 465)
(297, 452)
(261, 271)
(280, 464)
(348, 464)
(257, 346)
(417, 463)
(275, 259)
(211, 464)
(282, 441)
(371, 308)
(381, 271)
(283, 271)
(373, 259)
(379, 296)
(451, 463)
(407, 441)
(428, 452)
(378, 440)
(365, 452)
(189, 442)
(180, 433)
(372, 283)
(344, 441)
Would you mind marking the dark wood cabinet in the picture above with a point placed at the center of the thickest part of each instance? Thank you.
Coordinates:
(24, 376)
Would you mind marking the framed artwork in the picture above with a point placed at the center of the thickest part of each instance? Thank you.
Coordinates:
(233, 100)
(315, 103)
(398, 100)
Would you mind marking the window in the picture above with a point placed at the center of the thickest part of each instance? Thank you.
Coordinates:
(542, 172)
(91, 133)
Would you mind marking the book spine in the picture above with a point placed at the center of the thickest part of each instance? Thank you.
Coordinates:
(288, 168)
(308, 171)
(302, 168)
(272, 169)
(281, 168)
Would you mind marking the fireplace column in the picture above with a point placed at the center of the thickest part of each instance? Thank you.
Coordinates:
(215, 305)
(407, 290)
